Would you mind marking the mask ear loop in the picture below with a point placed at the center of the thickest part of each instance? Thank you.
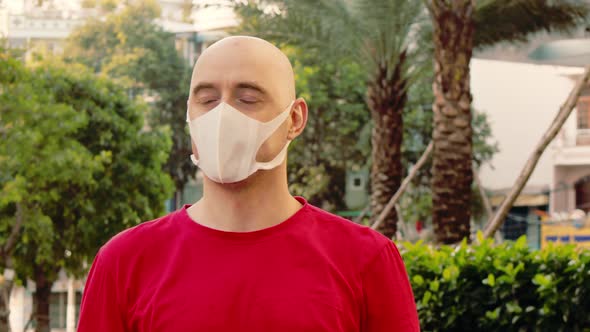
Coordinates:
(278, 159)
(192, 157)
(281, 155)
(194, 160)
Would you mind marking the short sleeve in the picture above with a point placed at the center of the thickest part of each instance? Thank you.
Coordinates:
(388, 299)
(100, 308)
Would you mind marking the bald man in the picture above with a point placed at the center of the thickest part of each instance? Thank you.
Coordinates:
(248, 256)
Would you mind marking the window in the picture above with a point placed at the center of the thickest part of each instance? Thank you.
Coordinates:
(582, 188)
(57, 310)
(58, 303)
(357, 182)
(516, 223)
(583, 111)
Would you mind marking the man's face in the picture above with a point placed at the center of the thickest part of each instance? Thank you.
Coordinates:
(247, 80)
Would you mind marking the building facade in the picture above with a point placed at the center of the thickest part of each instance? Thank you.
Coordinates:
(571, 161)
(521, 88)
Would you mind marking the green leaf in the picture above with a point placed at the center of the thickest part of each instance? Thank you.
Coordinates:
(418, 280)
(521, 243)
(447, 274)
(434, 285)
(542, 280)
(479, 236)
(490, 280)
(513, 307)
(426, 298)
(493, 315)
(450, 273)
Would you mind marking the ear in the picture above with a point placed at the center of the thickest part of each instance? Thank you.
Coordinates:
(298, 118)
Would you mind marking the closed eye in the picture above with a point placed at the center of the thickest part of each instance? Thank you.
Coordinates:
(248, 101)
(206, 101)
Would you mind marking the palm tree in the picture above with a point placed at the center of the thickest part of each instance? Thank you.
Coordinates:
(459, 26)
(378, 34)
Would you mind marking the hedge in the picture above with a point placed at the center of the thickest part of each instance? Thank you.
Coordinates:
(507, 287)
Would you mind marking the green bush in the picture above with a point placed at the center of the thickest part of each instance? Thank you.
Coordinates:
(507, 287)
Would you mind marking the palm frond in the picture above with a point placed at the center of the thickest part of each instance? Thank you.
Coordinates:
(322, 24)
(374, 33)
(388, 23)
(514, 20)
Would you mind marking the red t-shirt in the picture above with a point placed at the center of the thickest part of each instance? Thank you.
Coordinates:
(313, 272)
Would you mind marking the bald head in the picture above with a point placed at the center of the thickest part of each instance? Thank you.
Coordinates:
(254, 77)
(242, 62)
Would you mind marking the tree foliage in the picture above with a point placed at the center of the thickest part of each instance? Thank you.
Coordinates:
(129, 47)
(75, 158)
(329, 146)
(483, 287)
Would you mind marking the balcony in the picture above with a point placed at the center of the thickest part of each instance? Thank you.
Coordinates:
(576, 155)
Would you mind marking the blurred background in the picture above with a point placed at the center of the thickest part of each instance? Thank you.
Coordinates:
(442, 104)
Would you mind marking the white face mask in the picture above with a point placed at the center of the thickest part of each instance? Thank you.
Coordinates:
(228, 141)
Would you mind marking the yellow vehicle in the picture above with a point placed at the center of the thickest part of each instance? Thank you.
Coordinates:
(572, 229)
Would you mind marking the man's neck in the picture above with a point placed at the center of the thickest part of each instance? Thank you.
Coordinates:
(259, 202)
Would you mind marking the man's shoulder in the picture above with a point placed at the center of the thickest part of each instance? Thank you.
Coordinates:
(139, 237)
(346, 233)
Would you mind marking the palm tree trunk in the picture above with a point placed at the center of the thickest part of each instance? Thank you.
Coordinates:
(386, 98)
(405, 183)
(452, 173)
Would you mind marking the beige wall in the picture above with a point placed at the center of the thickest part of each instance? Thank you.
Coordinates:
(520, 101)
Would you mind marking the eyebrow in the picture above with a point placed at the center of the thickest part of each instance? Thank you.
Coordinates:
(240, 85)
(251, 86)
(202, 86)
